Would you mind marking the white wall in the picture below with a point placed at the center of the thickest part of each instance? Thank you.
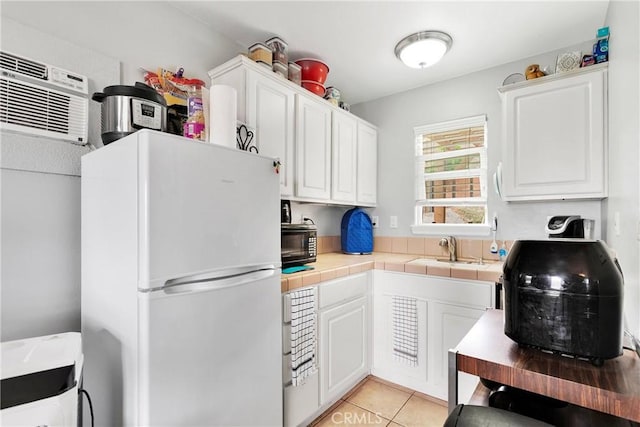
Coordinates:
(40, 191)
(460, 97)
(39, 179)
(623, 18)
(476, 94)
(40, 254)
(147, 34)
(326, 217)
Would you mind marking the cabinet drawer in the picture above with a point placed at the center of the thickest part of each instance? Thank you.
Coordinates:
(286, 305)
(301, 402)
(286, 338)
(343, 289)
(286, 369)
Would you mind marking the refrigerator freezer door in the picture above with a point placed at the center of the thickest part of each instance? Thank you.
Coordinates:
(203, 207)
(211, 355)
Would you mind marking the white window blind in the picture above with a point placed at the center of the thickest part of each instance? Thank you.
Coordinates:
(451, 175)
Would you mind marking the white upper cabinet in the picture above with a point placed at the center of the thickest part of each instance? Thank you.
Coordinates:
(343, 157)
(327, 155)
(354, 160)
(367, 169)
(270, 111)
(313, 148)
(267, 107)
(555, 137)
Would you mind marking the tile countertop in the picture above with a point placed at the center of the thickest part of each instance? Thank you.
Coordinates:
(333, 265)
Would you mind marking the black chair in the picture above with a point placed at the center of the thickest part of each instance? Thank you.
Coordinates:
(484, 416)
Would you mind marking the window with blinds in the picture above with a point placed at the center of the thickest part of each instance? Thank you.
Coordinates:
(451, 173)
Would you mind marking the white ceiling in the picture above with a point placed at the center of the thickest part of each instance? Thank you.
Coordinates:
(357, 39)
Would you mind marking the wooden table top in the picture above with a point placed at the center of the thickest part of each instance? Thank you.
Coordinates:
(613, 388)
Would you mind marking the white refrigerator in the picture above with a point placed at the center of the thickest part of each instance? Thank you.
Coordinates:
(181, 316)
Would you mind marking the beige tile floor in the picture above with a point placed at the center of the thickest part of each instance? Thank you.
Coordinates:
(375, 402)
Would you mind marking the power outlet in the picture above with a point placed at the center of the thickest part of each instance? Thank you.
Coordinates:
(375, 221)
(393, 221)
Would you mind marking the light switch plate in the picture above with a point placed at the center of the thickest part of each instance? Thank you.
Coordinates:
(393, 221)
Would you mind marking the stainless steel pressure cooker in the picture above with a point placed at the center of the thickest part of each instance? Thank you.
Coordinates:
(126, 109)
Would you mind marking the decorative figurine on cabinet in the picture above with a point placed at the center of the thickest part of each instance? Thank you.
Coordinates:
(533, 72)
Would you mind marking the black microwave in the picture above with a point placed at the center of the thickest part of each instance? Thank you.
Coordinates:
(299, 244)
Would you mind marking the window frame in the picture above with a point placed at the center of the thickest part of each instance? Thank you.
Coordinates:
(419, 179)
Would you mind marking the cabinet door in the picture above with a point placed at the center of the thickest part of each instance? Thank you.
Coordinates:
(270, 111)
(448, 325)
(385, 364)
(447, 308)
(343, 347)
(343, 156)
(367, 156)
(313, 146)
(555, 139)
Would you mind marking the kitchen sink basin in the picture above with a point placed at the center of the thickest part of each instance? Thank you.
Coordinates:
(458, 262)
(444, 262)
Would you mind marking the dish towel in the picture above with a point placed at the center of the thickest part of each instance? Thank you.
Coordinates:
(405, 330)
(303, 335)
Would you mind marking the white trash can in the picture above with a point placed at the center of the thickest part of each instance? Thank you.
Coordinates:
(40, 380)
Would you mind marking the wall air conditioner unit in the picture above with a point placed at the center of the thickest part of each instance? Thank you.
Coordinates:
(40, 99)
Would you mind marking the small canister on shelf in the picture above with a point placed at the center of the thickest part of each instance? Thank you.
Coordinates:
(332, 95)
(295, 73)
(281, 69)
(344, 106)
(194, 127)
(279, 49)
(261, 53)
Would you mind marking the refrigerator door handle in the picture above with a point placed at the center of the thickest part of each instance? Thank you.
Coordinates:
(217, 279)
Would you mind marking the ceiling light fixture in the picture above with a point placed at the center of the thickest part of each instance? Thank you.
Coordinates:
(423, 49)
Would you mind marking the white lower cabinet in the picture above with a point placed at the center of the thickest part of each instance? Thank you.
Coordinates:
(343, 347)
(344, 334)
(448, 325)
(355, 337)
(446, 309)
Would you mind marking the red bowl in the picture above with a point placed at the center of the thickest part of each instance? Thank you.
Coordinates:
(314, 87)
(313, 69)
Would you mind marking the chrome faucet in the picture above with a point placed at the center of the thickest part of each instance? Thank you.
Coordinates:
(450, 243)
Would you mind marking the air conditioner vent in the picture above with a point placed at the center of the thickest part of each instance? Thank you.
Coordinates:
(24, 66)
(53, 113)
(43, 100)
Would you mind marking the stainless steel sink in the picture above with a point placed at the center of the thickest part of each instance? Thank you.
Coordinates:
(458, 262)
(443, 261)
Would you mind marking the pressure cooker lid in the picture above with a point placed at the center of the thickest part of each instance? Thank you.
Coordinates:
(140, 90)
